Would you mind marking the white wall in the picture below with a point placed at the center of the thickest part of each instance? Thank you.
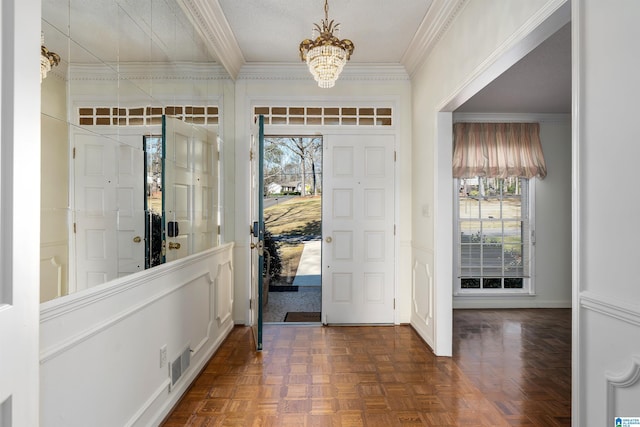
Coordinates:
(459, 65)
(291, 86)
(606, 364)
(54, 193)
(100, 349)
(552, 270)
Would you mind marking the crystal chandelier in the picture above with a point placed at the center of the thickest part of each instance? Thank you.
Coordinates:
(48, 59)
(327, 54)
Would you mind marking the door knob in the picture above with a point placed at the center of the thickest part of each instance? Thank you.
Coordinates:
(328, 239)
(259, 246)
(173, 245)
(137, 239)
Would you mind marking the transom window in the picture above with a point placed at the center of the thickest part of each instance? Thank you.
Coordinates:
(494, 225)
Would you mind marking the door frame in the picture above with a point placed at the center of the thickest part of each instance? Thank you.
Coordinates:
(323, 132)
(400, 129)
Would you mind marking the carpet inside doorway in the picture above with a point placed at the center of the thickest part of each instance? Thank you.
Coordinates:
(302, 316)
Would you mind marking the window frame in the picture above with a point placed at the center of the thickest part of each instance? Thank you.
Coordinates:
(528, 288)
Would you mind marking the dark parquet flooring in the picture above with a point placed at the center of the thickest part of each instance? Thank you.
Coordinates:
(510, 368)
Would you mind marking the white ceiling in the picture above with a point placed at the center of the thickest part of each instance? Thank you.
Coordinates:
(235, 33)
(271, 30)
(538, 83)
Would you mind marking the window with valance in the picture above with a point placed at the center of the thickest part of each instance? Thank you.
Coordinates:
(493, 164)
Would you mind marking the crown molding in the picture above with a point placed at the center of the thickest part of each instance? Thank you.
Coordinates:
(208, 18)
(148, 71)
(439, 17)
(299, 71)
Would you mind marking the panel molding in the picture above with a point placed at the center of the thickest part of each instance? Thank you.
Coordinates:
(54, 268)
(67, 306)
(100, 327)
(617, 381)
(224, 292)
(70, 303)
(425, 314)
(610, 307)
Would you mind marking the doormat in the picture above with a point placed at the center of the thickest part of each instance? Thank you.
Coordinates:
(278, 288)
(302, 316)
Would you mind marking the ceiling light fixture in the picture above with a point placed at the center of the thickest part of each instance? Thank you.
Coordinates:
(327, 54)
(48, 59)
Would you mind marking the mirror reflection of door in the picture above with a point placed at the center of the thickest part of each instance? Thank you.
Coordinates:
(153, 200)
(109, 216)
(189, 188)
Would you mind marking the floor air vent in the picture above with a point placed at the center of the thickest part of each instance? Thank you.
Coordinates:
(179, 366)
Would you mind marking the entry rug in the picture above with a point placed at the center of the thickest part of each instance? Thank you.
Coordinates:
(282, 288)
(302, 316)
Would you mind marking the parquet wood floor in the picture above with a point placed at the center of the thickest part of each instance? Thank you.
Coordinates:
(511, 367)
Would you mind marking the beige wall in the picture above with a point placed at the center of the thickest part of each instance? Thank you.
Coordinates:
(54, 195)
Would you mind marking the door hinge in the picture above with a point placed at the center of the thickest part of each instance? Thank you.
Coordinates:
(395, 156)
(394, 303)
(251, 155)
(218, 230)
(74, 228)
(73, 154)
(250, 303)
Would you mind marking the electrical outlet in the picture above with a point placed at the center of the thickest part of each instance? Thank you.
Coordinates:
(163, 356)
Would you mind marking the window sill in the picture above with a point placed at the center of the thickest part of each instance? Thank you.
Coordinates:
(487, 294)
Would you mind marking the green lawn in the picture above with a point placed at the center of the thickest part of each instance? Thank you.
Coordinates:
(298, 216)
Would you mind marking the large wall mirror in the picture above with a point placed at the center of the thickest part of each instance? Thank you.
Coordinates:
(131, 125)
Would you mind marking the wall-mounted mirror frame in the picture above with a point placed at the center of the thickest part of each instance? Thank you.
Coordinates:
(105, 98)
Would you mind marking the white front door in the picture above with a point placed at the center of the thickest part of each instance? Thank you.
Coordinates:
(95, 184)
(358, 229)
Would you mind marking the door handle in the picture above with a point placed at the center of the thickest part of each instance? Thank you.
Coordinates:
(328, 239)
(259, 246)
(137, 239)
(173, 245)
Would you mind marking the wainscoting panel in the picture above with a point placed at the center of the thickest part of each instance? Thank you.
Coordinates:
(224, 292)
(105, 352)
(422, 295)
(611, 376)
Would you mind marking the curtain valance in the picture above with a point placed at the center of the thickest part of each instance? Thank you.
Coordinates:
(497, 150)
